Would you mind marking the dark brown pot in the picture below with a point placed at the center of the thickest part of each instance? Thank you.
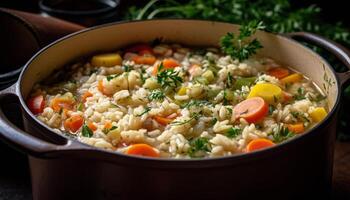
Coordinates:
(63, 168)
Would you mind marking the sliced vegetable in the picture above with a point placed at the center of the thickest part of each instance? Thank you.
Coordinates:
(59, 103)
(86, 95)
(140, 49)
(269, 92)
(167, 63)
(209, 75)
(86, 131)
(258, 144)
(106, 60)
(36, 104)
(144, 59)
(142, 150)
(92, 126)
(74, 123)
(252, 110)
(296, 128)
(163, 120)
(318, 114)
(240, 82)
(182, 91)
(278, 72)
(293, 78)
(100, 87)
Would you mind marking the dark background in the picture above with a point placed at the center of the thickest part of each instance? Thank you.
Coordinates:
(14, 172)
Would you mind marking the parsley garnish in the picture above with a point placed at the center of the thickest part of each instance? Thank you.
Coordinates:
(282, 134)
(196, 103)
(199, 145)
(168, 77)
(300, 95)
(86, 131)
(106, 130)
(147, 109)
(156, 95)
(241, 47)
(127, 68)
(110, 77)
(195, 116)
(233, 132)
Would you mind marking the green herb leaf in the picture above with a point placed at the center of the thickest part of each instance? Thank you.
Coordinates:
(241, 47)
(168, 77)
(300, 95)
(86, 131)
(110, 77)
(196, 103)
(199, 147)
(282, 134)
(233, 132)
(156, 95)
(147, 109)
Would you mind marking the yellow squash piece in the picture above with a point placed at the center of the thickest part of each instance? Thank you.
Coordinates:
(182, 91)
(318, 114)
(269, 92)
(209, 75)
(293, 78)
(106, 60)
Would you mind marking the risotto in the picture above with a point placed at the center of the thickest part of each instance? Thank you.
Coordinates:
(167, 100)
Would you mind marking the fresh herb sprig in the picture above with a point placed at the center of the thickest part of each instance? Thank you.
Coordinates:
(198, 147)
(282, 134)
(156, 95)
(168, 78)
(146, 110)
(233, 132)
(86, 131)
(196, 103)
(241, 47)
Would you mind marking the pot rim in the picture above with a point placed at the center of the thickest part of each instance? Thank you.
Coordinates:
(212, 160)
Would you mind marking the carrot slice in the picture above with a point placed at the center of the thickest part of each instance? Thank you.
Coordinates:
(74, 123)
(108, 125)
(167, 63)
(36, 104)
(142, 150)
(86, 95)
(59, 103)
(278, 72)
(252, 110)
(286, 96)
(145, 59)
(163, 120)
(257, 144)
(296, 128)
(100, 86)
(92, 126)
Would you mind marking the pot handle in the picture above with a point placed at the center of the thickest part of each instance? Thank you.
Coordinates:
(23, 141)
(342, 53)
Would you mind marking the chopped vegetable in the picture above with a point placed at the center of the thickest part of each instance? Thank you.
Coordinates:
(293, 78)
(300, 95)
(278, 72)
(241, 47)
(240, 82)
(199, 147)
(296, 128)
(74, 123)
(168, 78)
(156, 95)
(58, 103)
(282, 134)
(163, 120)
(106, 60)
(86, 95)
(233, 132)
(141, 49)
(258, 144)
(86, 131)
(269, 92)
(182, 91)
(36, 104)
(318, 114)
(92, 126)
(142, 150)
(252, 110)
(165, 64)
(144, 59)
(209, 75)
(286, 97)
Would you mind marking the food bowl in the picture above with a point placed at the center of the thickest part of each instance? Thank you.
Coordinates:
(63, 168)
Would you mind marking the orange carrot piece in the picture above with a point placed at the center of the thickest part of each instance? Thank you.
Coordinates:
(92, 126)
(167, 63)
(286, 96)
(296, 128)
(278, 72)
(100, 86)
(145, 59)
(86, 95)
(257, 144)
(74, 123)
(142, 150)
(140, 49)
(59, 103)
(108, 125)
(163, 120)
(252, 109)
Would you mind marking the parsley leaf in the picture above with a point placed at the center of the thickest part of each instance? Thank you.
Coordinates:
(168, 77)
(156, 95)
(196, 103)
(86, 131)
(198, 147)
(300, 95)
(147, 109)
(110, 77)
(233, 132)
(241, 47)
(282, 134)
